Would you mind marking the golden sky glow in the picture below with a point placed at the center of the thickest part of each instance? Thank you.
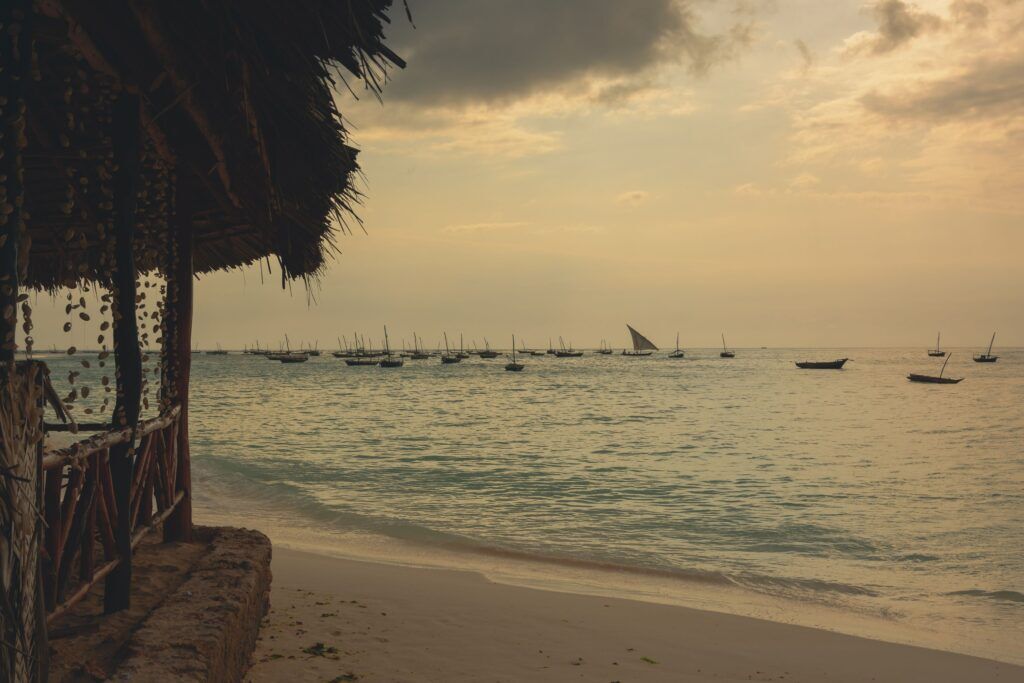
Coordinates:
(796, 172)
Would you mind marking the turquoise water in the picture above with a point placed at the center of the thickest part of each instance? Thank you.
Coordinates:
(853, 490)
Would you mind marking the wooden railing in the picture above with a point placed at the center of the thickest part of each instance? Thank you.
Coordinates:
(80, 508)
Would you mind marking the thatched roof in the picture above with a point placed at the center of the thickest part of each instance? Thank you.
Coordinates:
(241, 130)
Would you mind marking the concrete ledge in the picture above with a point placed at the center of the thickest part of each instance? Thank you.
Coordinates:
(207, 629)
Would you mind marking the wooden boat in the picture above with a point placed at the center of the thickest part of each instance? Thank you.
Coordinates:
(642, 346)
(297, 357)
(487, 352)
(448, 357)
(462, 351)
(987, 357)
(514, 366)
(417, 350)
(217, 352)
(726, 353)
(567, 352)
(937, 352)
(605, 350)
(551, 349)
(678, 353)
(822, 364)
(362, 361)
(928, 379)
(389, 360)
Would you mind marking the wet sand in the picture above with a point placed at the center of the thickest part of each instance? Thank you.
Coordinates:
(344, 620)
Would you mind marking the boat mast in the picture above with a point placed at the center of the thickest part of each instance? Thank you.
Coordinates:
(387, 348)
(993, 341)
(944, 365)
(724, 347)
(513, 348)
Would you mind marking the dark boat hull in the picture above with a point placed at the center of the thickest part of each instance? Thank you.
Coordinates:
(514, 367)
(447, 360)
(985, 358)
(488, 354)
(822, 365)
(360, 362)
(637, 354)
(928, 379)
(394, 363)
(294, 359)
(937, 354)
(568, 354)
(727, 354)
(677, 354)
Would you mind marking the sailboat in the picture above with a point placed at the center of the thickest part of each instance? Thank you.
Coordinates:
(551, 349)
(726, 353)
(513, 366)
(604, 350)
(389, 361)
(642, 346)
(937, 352)
(217, 352)
(418, 353)
(528, 352)
(928, 379)
(462, 351)
(678, 353)
(448, 356)
(314, 350)
(987, 357)
(567, 352)
(487, 352)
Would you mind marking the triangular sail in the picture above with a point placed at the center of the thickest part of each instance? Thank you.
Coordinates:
(640, 342)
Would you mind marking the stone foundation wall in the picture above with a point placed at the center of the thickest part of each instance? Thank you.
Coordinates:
(207, 630)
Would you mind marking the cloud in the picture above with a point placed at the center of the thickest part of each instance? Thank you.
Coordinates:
(484, 227)
(898, 23)
(805, 53)
(633, 198)
(983, 88)
(473, 51)
(804, 181)
(969, 13)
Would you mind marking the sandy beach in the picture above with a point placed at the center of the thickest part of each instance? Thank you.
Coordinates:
(344, 620)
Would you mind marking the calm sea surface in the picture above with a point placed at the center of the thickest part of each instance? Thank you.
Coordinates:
(778, 491)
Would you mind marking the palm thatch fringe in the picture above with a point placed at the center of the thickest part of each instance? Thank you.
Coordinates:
(20, 436)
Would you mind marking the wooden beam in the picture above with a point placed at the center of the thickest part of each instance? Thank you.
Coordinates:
(126, 135)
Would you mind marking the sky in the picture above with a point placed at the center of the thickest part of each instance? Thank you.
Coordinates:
(788, 172)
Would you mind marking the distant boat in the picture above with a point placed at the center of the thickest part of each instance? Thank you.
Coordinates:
(418, 353)
(389, 361)
(928, 379)
(987, 357)
(513, 366)
(822, 365)
(487, 352)
(678, 353)
(605, 350)
(315, 349)
(293, 357)
(217, 352)
(448, 356)
(726, 353)
(462, 351)
(551, 349)
(642, 346)
(567, 352)
(937, 352)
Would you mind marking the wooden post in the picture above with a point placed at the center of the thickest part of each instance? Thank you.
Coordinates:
(126, 143)
(179, 525)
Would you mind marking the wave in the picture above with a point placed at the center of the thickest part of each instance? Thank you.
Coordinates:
(224, 480)
(999, 595)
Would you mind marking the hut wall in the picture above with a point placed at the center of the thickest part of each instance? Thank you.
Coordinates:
(22, 627)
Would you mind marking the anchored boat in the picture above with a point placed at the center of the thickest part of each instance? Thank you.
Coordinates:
(822, 365)
(513, 366)
(389, 361)
(937, 352)
(726, 353)
(987, 357)
(928, 379)
(678, 353)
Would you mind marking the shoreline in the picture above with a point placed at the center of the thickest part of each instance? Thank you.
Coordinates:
(379, 621)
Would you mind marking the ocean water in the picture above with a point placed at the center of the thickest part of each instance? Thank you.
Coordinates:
(852, 500)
